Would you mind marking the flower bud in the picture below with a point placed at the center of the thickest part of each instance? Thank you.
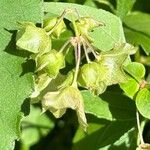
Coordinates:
(51, 63)
(50, 23)
(33, 39)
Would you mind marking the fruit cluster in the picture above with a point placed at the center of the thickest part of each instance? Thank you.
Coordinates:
(101, 69)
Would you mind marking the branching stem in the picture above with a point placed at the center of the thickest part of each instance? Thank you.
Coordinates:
(77, 63)
(91, 48)
(139, 127)
(64, 46)
(86, 53)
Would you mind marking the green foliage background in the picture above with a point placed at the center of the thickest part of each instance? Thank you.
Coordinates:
(111, 116)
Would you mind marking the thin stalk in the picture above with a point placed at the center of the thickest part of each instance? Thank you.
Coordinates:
(139, 127)
(75, 51)
(77, 64)
(64, 46)
(91, 48)
(68, 48)
(85, 51)
(58, 22)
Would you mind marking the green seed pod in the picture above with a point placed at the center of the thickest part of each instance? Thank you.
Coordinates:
(89, 75)
(70, 97)
(40, 83)
(99, 88)
(68, 81)
(33, 39)
(50, 23)
(51, 63)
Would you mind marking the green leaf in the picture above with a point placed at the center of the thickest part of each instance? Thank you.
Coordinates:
(138, 38)
(130, 87)
(14, 89)
(143, 102)
(35, 126)
(96, 106)
(123, 7)
(127, 141)
(110, 106)
(90, 3)
(110, 135)
(136, 70)
(14, 86)
(138, 21)
(105, 37)
(139, 31)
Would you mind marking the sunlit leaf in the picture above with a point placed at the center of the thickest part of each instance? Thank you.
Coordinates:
(135, 22)
(136, 70)
(130, 87)
(14, 86)
(109, 107)
(143, 102)
(113, 135)
(124, 7)
(137, 38)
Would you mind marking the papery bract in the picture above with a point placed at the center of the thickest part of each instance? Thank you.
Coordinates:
(49, 24)
(51, 63)
(33, 39)
(69, 97)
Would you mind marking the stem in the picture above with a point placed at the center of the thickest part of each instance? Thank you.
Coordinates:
(76, 49)
(85, 51)
(91, 48)
(58, 22)
(139, 128)
(68, 48)
(64, 46)
(77, 64)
